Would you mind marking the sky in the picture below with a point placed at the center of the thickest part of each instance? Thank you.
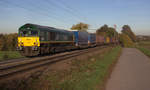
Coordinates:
(64, 13)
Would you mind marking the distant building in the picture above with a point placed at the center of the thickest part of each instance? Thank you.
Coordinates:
(143, 38)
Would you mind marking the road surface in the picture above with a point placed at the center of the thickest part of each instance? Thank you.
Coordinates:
(132, 72)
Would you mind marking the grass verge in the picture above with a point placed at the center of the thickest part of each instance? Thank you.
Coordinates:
(4, 55)
(144, 50)
(92, 74)
(144, 46)
(87, 74)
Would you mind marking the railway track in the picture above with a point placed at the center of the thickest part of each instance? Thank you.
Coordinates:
(13, 68)
(12, 60)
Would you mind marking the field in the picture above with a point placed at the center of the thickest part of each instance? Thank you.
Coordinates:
(144, 46)
(88, 72)
(5, 55)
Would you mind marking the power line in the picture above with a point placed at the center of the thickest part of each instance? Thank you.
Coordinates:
(48, 11)
(72, 9)
(63, 8)
(28, 9)
(44, 11)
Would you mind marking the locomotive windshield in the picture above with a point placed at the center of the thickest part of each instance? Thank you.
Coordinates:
(28, 33)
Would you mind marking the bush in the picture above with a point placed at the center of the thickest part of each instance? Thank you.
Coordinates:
(5, 56)
(8, 41)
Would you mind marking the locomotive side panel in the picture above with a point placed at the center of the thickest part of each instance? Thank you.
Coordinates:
(56, 40)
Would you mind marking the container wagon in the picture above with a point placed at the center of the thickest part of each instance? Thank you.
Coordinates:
(81, 39)
(92, 40)
(100, 40)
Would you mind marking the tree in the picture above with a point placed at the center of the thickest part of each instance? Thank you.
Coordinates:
(112, 32)
(8, 41)
(4, 43)
(102, 30)
(80, 26)
(127, 30)
(12, 41)
(107, 31)
(1, 41)
(125, 40)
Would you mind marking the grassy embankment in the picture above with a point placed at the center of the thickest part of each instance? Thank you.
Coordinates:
(144, 46)
(5, 55)
(87, 74)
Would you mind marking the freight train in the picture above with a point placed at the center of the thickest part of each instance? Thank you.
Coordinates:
(36, 40)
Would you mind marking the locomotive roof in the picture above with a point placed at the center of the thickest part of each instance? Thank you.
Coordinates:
(42, 28)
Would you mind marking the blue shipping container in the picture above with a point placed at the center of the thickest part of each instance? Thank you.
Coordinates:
(92, 38)
(81, 38)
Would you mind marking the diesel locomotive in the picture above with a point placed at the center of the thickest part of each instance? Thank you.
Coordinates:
(36, 40)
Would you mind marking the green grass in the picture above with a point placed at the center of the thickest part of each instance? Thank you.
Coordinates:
(88, 74)
(144, 43)
(4, 55)
(144, 46)
(84, 73)
(144, 50)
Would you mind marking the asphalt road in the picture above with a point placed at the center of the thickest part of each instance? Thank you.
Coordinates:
(132, 72)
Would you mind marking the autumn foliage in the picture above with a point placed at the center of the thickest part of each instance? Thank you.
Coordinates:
(127, 37)
(107, 31)
(127, 30)
(125, 40)
(8, 41)
(80, 26)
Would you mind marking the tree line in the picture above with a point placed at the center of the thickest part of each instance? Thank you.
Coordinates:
(8, 42)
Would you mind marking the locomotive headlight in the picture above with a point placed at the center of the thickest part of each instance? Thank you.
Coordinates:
(35, 43)
(21, 43)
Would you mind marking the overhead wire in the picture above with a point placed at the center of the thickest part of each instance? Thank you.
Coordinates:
(49, 10)
(62, 8)
(31, 10)
(46, 10)
(73, 10)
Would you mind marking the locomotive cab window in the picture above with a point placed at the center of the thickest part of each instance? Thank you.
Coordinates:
(23, 33)
(28, 33)
(33, 33)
